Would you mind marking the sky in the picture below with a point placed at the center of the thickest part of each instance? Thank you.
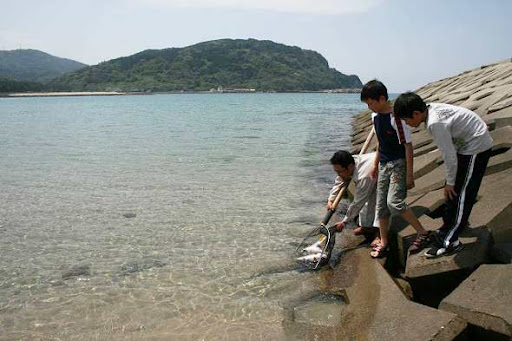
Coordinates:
(404, 43)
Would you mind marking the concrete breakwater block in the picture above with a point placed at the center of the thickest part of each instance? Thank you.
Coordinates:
(427, 162)
(377, 309)
(418, 151)
(476, 241)
(407, 235)
(431, 181)
(421, 138)
(491, 213)
(371, 147)
(361, 138)
(502, 253)
(484, 299)
(499, 163)
(500, 118)
(502, 138)
(359, 130)
(482, 99)
(501, 105)
(494, 208)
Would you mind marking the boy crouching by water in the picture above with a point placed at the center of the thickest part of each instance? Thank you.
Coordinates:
(393, 165)
(465, 143)
(358, 169)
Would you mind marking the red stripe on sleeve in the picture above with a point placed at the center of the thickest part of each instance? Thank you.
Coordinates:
(400, 128)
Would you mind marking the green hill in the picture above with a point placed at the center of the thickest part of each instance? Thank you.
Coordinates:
(10, 85)
(34, 66)
(227, 63)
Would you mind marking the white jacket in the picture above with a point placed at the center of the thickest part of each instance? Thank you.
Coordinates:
(456, 130)
(365, 185)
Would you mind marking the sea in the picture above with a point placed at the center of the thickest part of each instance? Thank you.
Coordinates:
(162, 217)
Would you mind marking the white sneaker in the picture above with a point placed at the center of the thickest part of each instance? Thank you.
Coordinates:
(436, 251)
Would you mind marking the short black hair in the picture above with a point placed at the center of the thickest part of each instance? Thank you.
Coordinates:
(408, 102)
(373, 90)
(342, 158)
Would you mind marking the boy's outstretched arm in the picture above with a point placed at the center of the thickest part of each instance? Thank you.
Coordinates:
(409, 159)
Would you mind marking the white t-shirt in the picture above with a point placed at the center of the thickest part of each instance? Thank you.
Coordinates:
(456, 130)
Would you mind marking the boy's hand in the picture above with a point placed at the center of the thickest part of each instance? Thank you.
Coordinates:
(339, 226)
(449, 192)
(330, 205)
(410, 181)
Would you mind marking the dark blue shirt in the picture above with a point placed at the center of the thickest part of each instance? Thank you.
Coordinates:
(390, 140)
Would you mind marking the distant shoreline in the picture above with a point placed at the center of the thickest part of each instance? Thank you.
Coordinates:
(61, 94)
(120, 93)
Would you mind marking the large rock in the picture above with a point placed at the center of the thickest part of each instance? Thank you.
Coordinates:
(431, 181)
(411, 199)
(421, 138)
(484, 299)
(492, 211)
(499, 163)
(502, 253)
(481, 100)
(424, 149)
(499, 118)
(476, 242)
(427, 162)
(494, 208)
(378, 310)
(361, 136)
(427, 203)
(502, 138)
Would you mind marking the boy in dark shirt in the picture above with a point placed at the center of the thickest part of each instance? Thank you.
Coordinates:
(394, 165)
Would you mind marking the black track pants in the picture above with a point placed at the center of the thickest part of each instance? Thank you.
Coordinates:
(470, 171)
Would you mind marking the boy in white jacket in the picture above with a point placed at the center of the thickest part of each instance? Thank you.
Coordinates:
(357, 168)
(465, 143)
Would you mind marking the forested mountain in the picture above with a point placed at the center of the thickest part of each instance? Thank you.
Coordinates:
(10, 85)
(34, 66)
(227, 63)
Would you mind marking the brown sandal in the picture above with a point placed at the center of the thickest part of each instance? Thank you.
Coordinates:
(379, 251)
(375, 242)
(421, 241)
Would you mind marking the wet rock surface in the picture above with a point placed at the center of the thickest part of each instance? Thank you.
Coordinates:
(76, 271)
(134, 267)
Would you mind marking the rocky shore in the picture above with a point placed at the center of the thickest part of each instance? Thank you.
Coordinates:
(466, 296)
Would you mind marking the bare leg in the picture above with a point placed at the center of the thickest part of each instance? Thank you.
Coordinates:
(409, 217)
(383, 228)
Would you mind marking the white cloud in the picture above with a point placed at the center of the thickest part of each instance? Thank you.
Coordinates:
(300, 6)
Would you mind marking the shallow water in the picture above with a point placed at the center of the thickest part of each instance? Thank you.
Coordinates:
(164, 216)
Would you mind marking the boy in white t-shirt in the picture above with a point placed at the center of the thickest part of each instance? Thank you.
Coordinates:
(465, 143)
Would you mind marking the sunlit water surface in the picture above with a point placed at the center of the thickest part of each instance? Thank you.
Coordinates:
(164, 216)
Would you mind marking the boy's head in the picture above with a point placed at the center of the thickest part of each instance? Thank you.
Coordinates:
(410, 108)
(375, 95)
(343, 164)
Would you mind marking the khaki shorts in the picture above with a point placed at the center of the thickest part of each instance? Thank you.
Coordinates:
(391, 188)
